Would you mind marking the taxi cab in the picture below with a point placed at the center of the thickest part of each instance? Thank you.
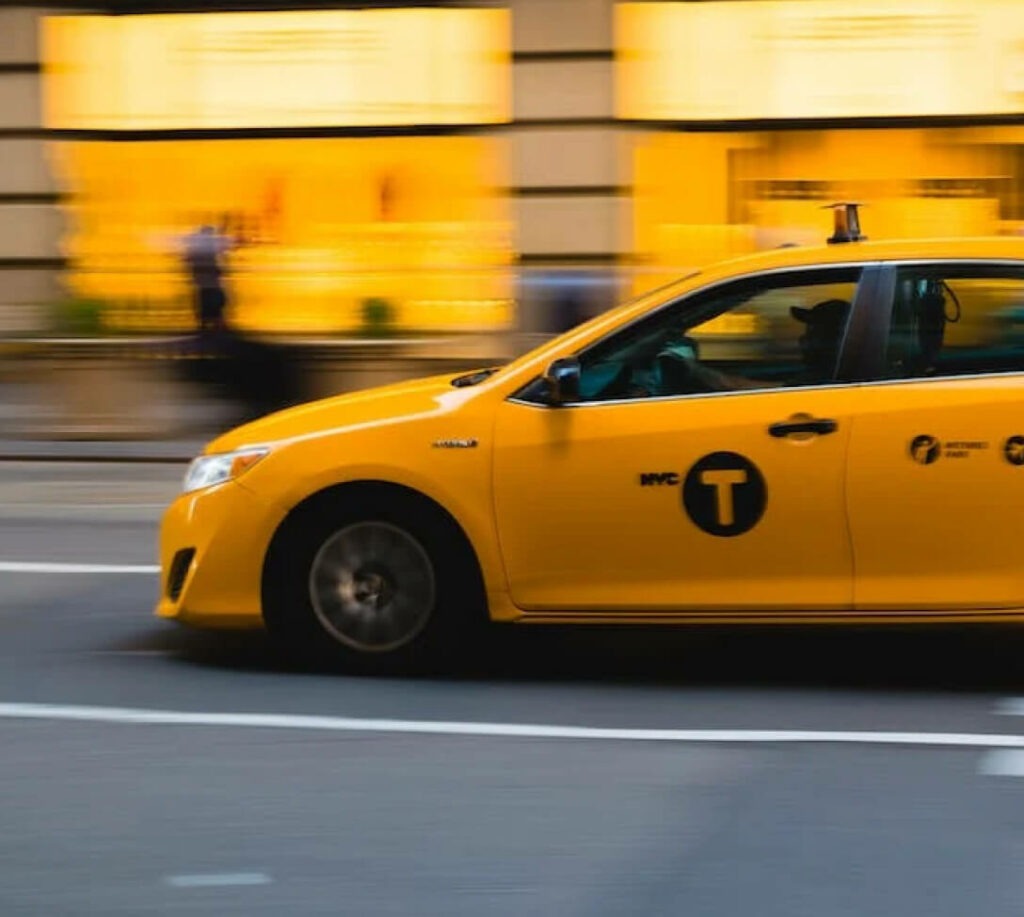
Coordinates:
(808, 435)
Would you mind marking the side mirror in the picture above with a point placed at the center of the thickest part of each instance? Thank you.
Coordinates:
(563, 381)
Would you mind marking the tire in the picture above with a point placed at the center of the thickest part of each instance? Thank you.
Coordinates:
(374, 580)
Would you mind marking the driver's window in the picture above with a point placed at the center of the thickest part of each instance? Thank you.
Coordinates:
(769, 332)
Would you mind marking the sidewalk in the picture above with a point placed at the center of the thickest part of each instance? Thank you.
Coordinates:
(99, 401)
(75, 492)
(172, 427)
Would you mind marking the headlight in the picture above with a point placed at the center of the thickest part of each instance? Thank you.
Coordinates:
(208, 470)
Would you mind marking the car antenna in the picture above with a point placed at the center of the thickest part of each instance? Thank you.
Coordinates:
(846, 222)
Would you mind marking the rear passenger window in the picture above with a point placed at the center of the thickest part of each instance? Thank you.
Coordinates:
(956, 320)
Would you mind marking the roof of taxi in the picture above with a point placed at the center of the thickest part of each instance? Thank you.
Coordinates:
(994, 248)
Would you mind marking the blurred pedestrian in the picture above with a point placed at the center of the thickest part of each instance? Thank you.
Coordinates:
(205, 250)
(258, 376)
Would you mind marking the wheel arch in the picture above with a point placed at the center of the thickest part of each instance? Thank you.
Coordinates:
(381, 492)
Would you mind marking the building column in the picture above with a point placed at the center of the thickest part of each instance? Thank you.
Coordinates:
(570, 181)
(30, 257)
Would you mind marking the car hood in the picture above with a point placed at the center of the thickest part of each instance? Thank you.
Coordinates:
(386, 404)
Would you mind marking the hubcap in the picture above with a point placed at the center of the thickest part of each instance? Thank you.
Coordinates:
(372, 586)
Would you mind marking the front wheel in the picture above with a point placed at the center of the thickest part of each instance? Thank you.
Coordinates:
(384, 589)
(373, 587)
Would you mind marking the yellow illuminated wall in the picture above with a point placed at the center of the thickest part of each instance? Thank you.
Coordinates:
(312, 68)
(705, 196)
(775, 59)
(324, 225)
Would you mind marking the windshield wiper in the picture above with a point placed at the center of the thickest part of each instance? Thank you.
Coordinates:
(474, 378)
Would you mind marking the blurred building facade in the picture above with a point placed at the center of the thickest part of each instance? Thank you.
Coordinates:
(571, 152)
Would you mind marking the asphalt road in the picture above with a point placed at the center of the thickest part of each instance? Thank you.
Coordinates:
(362, 812)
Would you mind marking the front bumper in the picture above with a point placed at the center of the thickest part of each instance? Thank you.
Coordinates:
(229, 528)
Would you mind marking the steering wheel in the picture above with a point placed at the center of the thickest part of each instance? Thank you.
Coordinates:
(607, 380)
(677, 375)
(621, 383)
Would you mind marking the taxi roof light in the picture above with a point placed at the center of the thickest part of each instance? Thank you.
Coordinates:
(846, 222)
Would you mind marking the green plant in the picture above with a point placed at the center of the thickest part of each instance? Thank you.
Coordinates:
(79, 317)
(378, 316)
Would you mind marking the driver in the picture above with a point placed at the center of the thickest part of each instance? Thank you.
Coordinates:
(680, 372)
(819, 344)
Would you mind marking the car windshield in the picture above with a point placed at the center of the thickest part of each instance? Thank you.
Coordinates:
(608, 320)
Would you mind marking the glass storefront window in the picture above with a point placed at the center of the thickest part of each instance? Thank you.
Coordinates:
(319, 229)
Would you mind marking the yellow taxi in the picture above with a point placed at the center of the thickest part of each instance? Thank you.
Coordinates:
(830, 434)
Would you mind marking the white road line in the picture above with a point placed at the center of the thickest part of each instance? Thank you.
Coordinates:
(1011, 706)
(17, 566)
(218, 879)
(1002, 763)
(130, 715)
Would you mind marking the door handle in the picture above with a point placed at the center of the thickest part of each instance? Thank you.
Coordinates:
(817, 425)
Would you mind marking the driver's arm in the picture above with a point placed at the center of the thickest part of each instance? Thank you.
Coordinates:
(725, 382)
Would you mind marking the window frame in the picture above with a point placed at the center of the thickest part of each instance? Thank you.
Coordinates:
(864, 308)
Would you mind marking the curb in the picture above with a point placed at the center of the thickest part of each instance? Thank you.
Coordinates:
(99, 459)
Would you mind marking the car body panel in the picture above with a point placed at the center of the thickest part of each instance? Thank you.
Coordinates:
(345, 440)
(609, 541)
(230, 529)
(942, 533)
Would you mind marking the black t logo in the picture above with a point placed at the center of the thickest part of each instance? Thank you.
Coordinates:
(724, 494)
(1013, 449)
(925, 449)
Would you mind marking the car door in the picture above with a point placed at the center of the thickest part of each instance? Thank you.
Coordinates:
(936, 473)
(722, 490)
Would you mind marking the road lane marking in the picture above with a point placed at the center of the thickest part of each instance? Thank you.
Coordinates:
(1002, 763)
(218, 879)
(17, 566)
(140, 716)
(1011, 706)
